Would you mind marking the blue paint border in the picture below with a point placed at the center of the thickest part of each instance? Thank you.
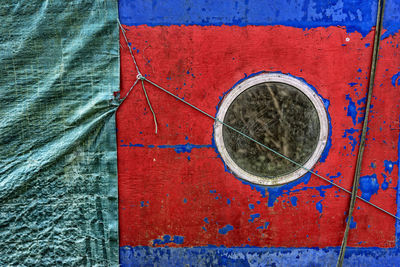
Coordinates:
(176, 12)
(250, 256)
(353, 15)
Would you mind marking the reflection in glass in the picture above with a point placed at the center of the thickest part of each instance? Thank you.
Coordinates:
(277, 115)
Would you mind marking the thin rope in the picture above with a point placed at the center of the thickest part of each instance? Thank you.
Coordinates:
(139, 77)
(130, 49)
(148, 102)
(270, 149)
(356, 180)
(122, 100)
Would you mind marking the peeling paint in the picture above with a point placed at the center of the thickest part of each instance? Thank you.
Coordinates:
(293, 200)
(368, 185)
(318, 206)
(225, 229)
(353, 140)
(389, 165)
(395, 79)
(254, 216)
(167, 240)
(353, 224)
(351, 109)
(234, 206)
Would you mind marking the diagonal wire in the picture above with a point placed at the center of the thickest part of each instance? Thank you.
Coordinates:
(270, 149)
(356, 181)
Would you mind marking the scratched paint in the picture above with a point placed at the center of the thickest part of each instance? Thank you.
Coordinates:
(199, 55)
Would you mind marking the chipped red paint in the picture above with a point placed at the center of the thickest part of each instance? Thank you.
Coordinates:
(190, 195)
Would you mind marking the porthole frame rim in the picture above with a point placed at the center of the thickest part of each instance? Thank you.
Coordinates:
(280, 78)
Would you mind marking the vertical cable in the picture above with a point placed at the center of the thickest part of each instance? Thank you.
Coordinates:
(356, 180)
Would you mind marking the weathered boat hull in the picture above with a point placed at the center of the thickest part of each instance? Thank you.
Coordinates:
(180, 204)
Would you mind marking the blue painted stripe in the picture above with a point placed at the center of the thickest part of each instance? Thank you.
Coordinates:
(355, 15)
(250, 256)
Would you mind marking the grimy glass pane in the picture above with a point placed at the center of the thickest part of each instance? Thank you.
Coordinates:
(277, 115)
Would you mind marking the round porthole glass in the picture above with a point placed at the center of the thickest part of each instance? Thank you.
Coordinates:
(279, 111)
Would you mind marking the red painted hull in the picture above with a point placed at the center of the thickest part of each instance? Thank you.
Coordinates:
(168, 189)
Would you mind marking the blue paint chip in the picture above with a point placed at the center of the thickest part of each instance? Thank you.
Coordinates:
(338, 174)
(353, 141)
(178, 239)
(224, 230)
(251, 206)
(135, 145)
(275, 192)
(318, 206)
(167, 239)
(254, 216)
(395, 79)
(368, 185)
(385, 185)
(186, 148)
(206, 220)
(351, 109)
(353, 224)
(293, 200)
(352, 84)
(389, 165)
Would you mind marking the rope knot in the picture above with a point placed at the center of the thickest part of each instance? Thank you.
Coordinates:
(140, 76)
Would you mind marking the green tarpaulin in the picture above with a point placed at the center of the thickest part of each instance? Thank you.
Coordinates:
(59, 67)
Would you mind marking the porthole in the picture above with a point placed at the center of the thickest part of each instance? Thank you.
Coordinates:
(280, 112)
